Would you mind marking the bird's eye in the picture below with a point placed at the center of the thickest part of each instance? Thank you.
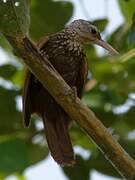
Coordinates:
(93, 31)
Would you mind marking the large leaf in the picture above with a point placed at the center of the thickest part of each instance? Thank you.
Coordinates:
(4, 43)
(127, 8)
(13, 156)
(120, 38)
(48, 16)
(10, 117)
(17, 155)
(99, 163)
(101, 24)
(79, 171)
(79, 138)
(14, 17)
(7, 71)
(36, 153)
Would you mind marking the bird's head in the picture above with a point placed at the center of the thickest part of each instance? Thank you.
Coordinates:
(87, 33)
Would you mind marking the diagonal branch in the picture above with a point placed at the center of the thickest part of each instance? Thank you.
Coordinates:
(63, 94)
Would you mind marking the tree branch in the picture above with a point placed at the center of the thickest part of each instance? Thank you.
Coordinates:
(64, 95)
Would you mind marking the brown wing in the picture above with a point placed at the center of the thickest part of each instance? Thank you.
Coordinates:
(27, 97)
(37, 99)
(30, 90)
(82, 76)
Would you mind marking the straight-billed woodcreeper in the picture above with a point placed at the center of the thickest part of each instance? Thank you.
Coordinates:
(65, 51)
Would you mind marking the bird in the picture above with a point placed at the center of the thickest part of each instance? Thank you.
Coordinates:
(65, 51)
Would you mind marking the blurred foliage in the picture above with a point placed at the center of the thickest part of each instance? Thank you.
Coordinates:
(127, 8)
(48, 17)
(112, 98)
(15, 12)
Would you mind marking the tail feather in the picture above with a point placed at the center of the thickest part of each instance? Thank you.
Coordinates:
(58, 137)
(37, 100)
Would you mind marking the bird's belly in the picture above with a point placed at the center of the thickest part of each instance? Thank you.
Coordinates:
(68, 67)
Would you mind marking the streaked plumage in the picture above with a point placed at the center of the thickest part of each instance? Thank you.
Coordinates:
(65, 51)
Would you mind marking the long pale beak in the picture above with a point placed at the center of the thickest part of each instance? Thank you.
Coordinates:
(106, 46)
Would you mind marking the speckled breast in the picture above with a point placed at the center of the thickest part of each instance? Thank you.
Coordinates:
(66, 56)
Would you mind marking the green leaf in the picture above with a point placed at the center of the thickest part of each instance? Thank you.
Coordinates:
(101, 99)
(115, 75)
(127, 56)
(94, 99)
(48, 16)
(7, 71)
(36, 153)
(79, 138)
(100, 164)
(20, 176)
(11, 119)
(4, 43)
(127, 8)
(14, 17)
(120, 38)
(101, 24)
(79, 171)
(13, 156)
(129, 146)
(18, 79)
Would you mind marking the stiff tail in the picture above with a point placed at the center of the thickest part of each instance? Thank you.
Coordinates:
(56, 127)
(37, 100)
